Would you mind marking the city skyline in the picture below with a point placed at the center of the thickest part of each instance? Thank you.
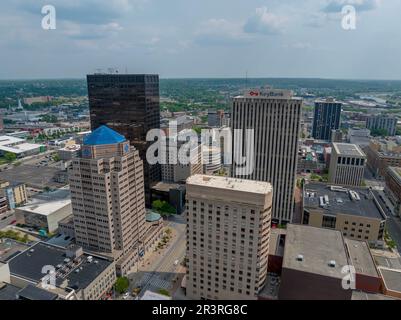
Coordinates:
(303, 40)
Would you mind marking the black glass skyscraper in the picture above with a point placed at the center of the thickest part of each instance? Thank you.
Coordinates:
(327, 118)
(129, 104)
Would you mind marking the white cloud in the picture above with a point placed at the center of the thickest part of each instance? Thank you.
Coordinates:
(220, 32)
(335, 6)
(264, 22)
(78, 31)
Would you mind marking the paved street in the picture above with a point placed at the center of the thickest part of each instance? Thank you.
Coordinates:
(371, 181)
(394, 229)
(162, 270)
(4, 223)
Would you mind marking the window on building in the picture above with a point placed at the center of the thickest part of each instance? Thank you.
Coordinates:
(329, 222)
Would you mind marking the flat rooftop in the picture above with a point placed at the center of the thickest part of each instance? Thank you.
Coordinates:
(361, 258)
(10, 248)
(240, 185)
(392, 279)
(20, 148)
(33, 176)
(47, 203)
(7, 140)
(318, 247)
(8, 291)
(31, 292)
(166, 187)
(341, 200)
(359, 295)
(347, 149)
(390, 263)
(29, 264)
(45, 208)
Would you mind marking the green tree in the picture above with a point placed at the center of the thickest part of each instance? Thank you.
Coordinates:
(10, 157)
(164, 292)
(163, 208)
(121, 285)
(379, 132)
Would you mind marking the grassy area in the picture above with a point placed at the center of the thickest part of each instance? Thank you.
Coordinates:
(164, 292)
(10, 234)
(390, 242)
(319, 178)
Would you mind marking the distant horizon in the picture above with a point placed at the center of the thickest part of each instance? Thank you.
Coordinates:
(211, 78)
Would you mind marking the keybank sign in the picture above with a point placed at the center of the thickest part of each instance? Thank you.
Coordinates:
(269, 93)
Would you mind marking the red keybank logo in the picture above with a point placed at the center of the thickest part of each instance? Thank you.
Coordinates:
(254, 94)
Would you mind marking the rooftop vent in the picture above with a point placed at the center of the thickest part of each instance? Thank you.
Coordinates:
(332, 263)
(354, 195)
(300, 257)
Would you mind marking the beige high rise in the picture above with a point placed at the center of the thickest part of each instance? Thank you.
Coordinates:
(107, 193)
(228, 233)
(275, 117)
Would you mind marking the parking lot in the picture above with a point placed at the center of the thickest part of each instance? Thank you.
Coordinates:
(33, 176)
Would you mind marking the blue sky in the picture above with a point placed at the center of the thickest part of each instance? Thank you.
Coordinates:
(201, 38)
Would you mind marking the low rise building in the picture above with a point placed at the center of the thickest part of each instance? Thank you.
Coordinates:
(347, 164)
(317, 261)
(382, 122)
(391, 282)
(19, 147)
(46, 210)
(393, 188)
(355, 212)
(69, 152)
(172, 193)
(360, 137)
(381, 155)
(78, 274)
(15, 192)
(154, 231)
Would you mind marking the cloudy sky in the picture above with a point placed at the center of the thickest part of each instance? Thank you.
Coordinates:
(201, 38)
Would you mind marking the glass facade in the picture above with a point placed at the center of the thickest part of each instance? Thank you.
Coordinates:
(129, 104)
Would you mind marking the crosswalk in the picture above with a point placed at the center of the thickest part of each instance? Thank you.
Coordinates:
(154, 281)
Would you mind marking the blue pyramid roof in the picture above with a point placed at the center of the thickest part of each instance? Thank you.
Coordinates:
(103, 135)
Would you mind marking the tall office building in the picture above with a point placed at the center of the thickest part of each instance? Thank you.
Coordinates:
(180, 171)
(228, 233)
(275, 117)
(327, 118)
(382, 122)
(347, 164)
(107, 197)
(129, 104)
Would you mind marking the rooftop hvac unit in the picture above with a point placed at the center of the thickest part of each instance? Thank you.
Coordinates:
(300, 257)
(332, 263)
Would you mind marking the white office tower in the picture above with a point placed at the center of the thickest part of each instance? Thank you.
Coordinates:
(274, 116)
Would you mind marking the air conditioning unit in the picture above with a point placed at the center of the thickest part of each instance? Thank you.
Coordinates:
(300, 257)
